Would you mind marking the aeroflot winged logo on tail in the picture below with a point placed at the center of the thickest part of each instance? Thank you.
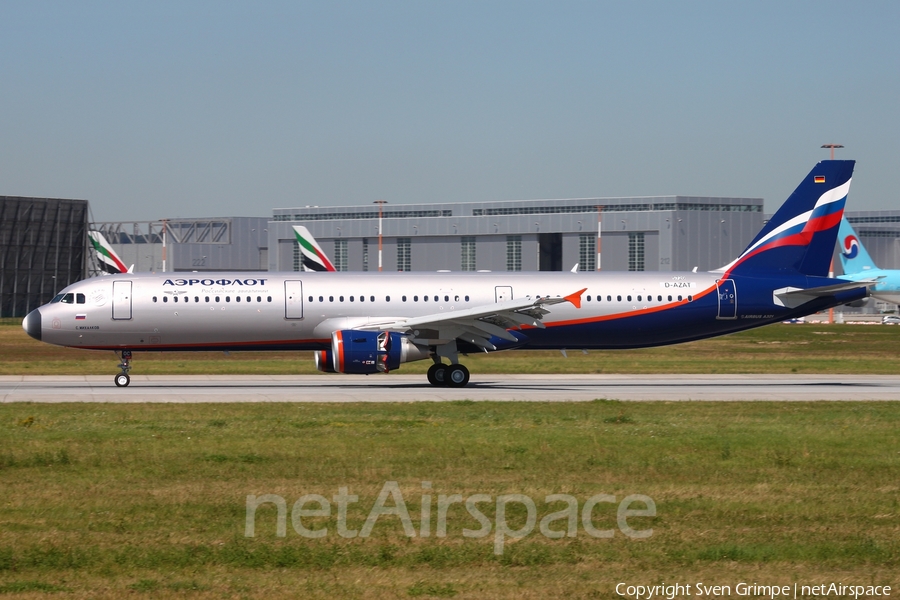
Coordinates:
(851, 247)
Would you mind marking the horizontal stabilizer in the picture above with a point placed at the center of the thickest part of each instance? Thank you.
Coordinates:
(792, 297)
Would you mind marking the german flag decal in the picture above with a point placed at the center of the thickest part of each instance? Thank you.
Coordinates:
(819, 179)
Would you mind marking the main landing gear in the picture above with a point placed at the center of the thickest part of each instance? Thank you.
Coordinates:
(452, 375)
(440, 374)
(122, 379)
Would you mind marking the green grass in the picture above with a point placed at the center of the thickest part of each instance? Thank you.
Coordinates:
(774, 349)
(150, 500)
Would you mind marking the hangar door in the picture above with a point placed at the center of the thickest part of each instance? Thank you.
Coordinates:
(293, 299)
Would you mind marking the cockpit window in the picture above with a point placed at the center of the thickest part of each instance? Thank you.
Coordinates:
(56, 298)
(68, 299)
(79, 298)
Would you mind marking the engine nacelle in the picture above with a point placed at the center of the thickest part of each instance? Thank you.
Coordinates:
(324, 361)
(364, 352)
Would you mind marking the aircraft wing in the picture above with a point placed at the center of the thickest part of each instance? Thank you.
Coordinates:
(478, 324)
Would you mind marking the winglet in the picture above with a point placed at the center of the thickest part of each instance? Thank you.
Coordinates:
(575, 298)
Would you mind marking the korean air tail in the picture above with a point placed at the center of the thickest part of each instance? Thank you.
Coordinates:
(854, 258)
(314, 258)
(800, 237)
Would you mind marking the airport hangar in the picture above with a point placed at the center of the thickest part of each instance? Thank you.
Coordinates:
(43, 241)
(666, 233)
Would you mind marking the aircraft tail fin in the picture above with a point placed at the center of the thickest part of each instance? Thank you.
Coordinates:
(854, 258)
(314, 258)
(107, 258)
(800, 237)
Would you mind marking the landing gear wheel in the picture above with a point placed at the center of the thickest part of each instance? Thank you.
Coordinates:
(437, 374)
(457, 376)
(122, 380)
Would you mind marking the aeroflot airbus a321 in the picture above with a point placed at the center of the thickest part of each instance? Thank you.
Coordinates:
(372, 322)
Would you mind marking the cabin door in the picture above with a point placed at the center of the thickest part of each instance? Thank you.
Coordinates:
(121, 309)
(727, 299)
(293, 299)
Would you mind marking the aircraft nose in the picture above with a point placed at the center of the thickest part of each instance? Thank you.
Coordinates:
(32, 324)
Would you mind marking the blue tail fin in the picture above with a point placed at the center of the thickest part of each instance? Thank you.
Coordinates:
(854, 258)
(800, 237)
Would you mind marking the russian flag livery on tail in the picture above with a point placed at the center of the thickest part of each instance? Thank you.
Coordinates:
(801, 235)
(373, 322)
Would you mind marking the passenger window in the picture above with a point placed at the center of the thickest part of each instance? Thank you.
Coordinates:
(456, 298)
(639, 298)
(679, 298)
(690, 298)
(268, 298)
(331, 298)
(165, 298)
(589, 298)
(446, 298)
(79, 298)
(362, 298)
(206, 298)
(609, 298)
(404, 298)
(154, 298)
(467, 298)
(259, 298)
(174, 298)
(237, 298)
(196, 299)
(371, 298)
(386, 298)
(310, 299)
(670, 298)
(249, 298)
(227, 298)
(415, 298)
(619, 298)
(424, 298)
(629, 297)
(321, 299)
(351, 298)
(217, 299)
(342, 298)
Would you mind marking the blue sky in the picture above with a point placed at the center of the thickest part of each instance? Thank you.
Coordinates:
(190, 109)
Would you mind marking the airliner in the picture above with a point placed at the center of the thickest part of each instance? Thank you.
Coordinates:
(314, 258)
(373, 322)
(859, 266)
(107, 259)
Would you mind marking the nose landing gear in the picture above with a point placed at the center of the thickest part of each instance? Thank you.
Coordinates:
(122, 379)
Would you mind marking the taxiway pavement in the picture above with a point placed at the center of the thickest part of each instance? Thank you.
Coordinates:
(414, 388)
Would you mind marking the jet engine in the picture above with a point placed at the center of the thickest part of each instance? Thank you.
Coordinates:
(364, 352)
(324, 361)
